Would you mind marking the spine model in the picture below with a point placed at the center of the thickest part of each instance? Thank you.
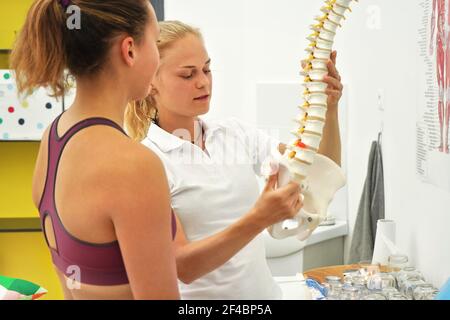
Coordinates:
(301, 151)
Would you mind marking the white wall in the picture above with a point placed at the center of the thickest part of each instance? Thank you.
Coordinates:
(252, 41)
(369, 56)
(249, 41)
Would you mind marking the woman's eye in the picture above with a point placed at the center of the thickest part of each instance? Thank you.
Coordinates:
(192, 74)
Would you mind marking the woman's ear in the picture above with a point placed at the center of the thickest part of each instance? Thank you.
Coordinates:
(128, 50)
(153, 90)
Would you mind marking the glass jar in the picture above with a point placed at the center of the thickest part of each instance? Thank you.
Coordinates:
(410, 284)
(381, 281)
(397, 262)
(388, 281)
(367, 268)
(359, 280)
(404, 274)
(348, 280)
(374, 296)
(360, 283)
(348, 276)
(363, 291)
(334, 291)
(332, 279)
(350, 293)
(397, 296)
(425, 291)
(389, 291)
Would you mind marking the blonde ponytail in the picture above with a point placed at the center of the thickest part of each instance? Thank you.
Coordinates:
(138, 117)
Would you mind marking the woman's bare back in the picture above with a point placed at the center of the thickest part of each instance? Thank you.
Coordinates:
(85, 220)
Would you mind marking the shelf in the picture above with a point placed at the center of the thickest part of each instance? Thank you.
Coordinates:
(17, 160)
(324, 233)
(279, 248)
(20, 225)
(4, 59)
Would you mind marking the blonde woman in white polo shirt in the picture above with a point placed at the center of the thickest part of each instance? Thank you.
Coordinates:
(212, 176)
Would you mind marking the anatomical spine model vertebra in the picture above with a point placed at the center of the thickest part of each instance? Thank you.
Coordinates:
(320, 178)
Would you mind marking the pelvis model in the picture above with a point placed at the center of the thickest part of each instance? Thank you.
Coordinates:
(319, 177)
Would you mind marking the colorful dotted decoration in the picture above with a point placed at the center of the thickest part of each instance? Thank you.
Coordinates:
(19, 119)
(25, 104)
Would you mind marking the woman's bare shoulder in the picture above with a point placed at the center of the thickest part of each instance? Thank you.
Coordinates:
(128, 168)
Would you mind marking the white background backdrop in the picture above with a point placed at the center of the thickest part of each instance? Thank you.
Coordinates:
(262, 41)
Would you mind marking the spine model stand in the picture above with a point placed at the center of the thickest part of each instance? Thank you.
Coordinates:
(319, 177)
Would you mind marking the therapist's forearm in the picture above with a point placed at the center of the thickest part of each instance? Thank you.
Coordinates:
(199, 258)
(330, 146)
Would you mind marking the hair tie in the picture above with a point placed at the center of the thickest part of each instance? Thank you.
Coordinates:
(64, 3)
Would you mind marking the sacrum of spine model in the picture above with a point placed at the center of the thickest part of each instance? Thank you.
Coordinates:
(319, 177)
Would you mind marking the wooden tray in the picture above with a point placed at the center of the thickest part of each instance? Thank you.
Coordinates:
(320, 274)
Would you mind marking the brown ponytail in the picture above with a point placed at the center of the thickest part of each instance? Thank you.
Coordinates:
(38, 57)
(46, 46)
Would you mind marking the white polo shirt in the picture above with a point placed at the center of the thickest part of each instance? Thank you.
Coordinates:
(212, 190)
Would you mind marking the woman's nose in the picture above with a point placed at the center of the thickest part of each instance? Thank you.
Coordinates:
(203, 81)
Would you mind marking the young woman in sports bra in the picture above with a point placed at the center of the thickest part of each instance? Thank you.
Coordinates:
(106, 218)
